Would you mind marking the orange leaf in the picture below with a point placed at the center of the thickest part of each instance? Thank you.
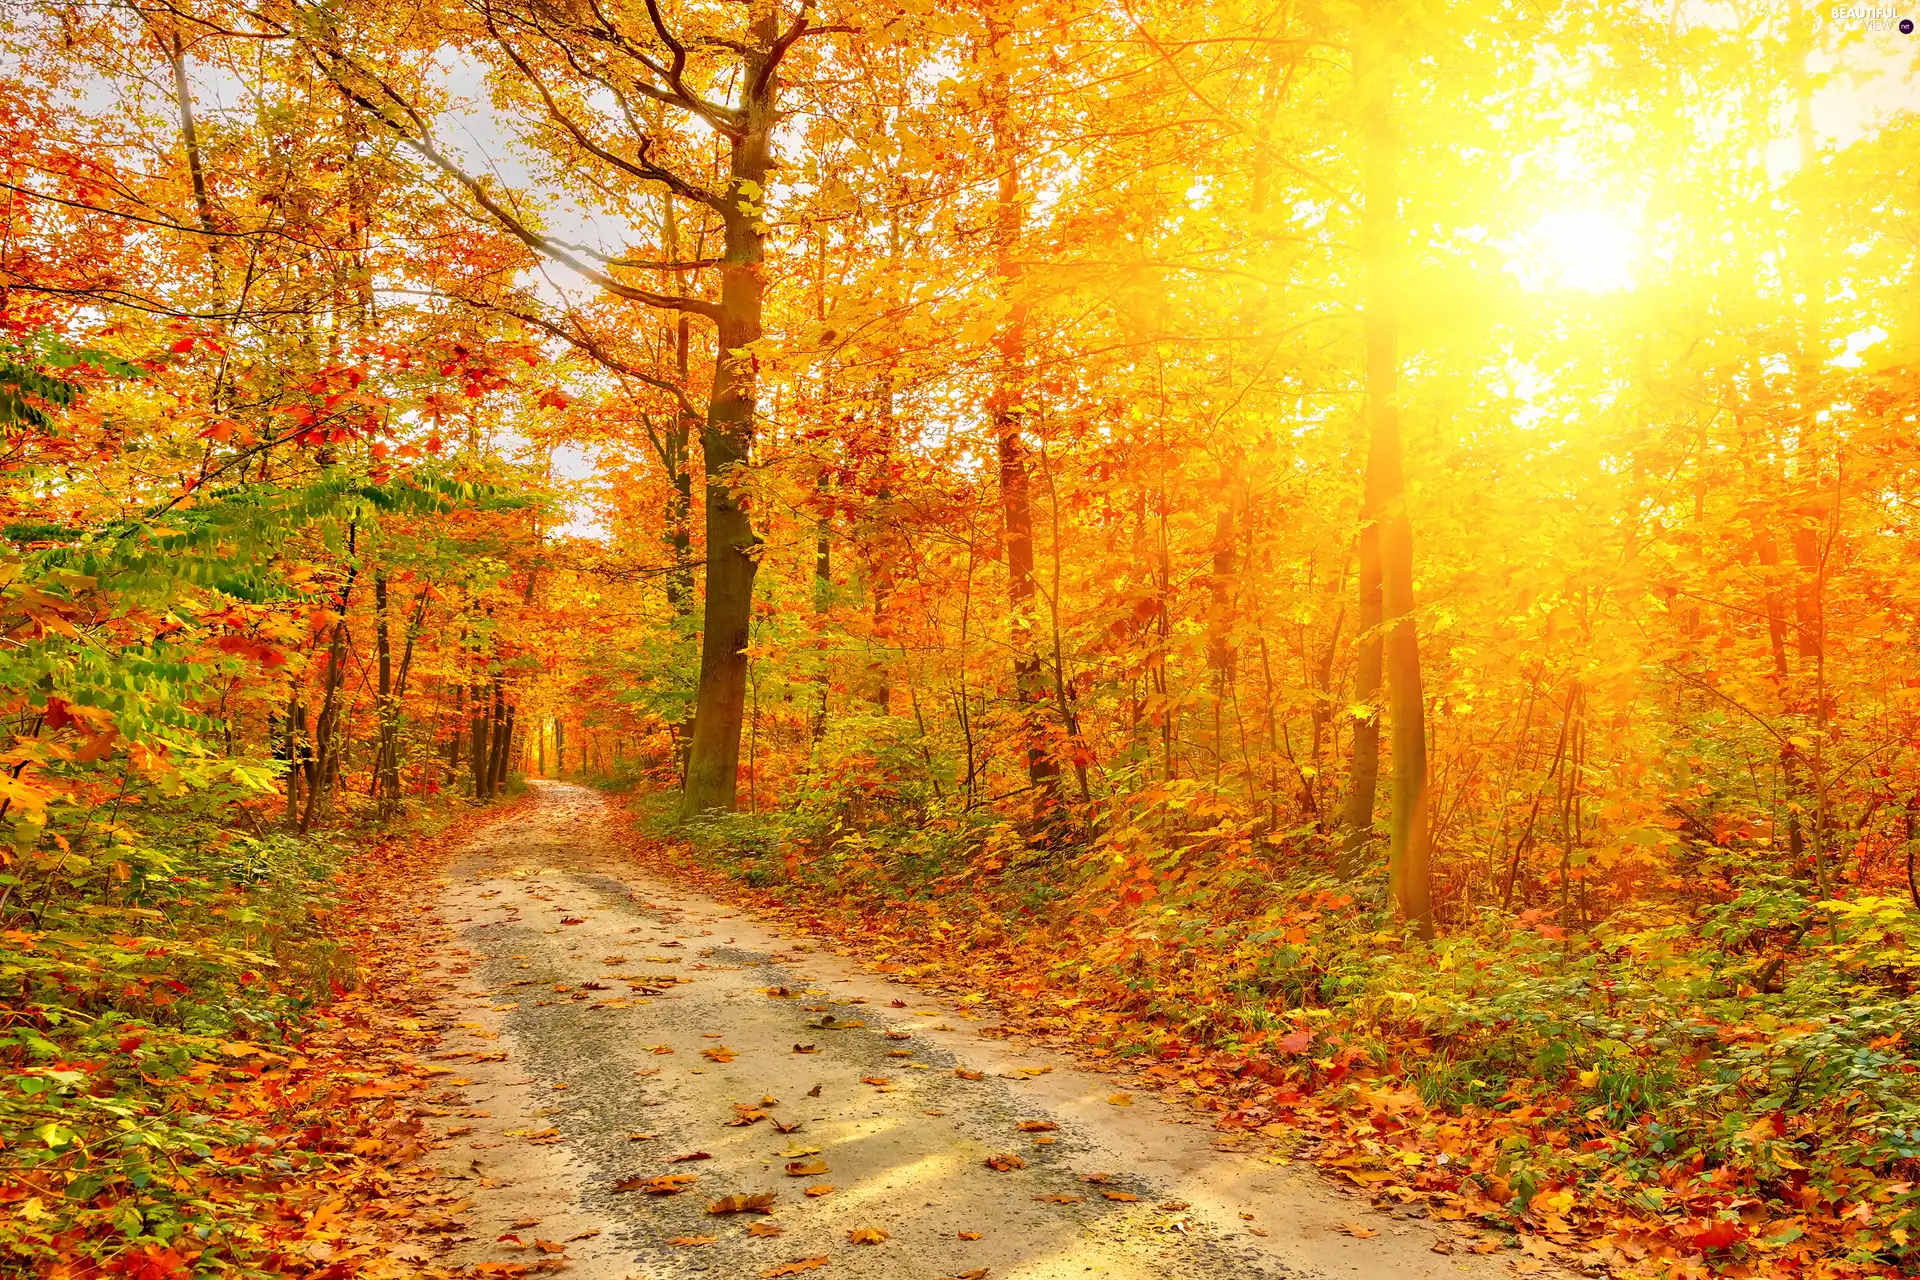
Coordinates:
(758, 1203)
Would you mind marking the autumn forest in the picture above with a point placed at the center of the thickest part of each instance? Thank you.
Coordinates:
(1348, 564)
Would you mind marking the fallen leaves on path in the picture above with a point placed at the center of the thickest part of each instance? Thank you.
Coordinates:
(824, 1189)
(1059, 1198)
(759, 1202)
(666, 1184)
(806, 1168)
(1036, 1126)
(688, 1242)
(765, 1229)
(1004, 1161)
(691, 1155)
(866, 1235)
(793, 1268)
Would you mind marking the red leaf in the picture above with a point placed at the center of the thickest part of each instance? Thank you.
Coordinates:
(1718, 1235)
(1297, 1042)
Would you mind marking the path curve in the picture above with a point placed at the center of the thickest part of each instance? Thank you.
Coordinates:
(604, 1022)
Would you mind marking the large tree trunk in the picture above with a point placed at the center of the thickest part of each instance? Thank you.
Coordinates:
(1007, 408)
(713, 762)
(1408, 852)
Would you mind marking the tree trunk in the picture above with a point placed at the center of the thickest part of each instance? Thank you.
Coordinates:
(325, 762)
(383, 694)
(733, 548)
(1363, 774)
(1007, 408)
(503, 750)
(1408, 853)
(477, 752)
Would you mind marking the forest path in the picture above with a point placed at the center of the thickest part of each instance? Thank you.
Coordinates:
(637, 1026)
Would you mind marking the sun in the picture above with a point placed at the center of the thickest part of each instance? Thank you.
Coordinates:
(1585, 250)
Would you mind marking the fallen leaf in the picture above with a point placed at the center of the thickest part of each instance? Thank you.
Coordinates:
(765, 1229)
(899, 1035)
(978, 1273)
(1005, 1161)
(793, 1268)
(866, 1235)
(583, 1235)
(965, 1074)
(1125, 1197)
(881, 1081)
(806, 1048)
(690, 1241)
(1100, 1179)
(1173, 1206)
(760, 1202)
(782, 1126)
(1061, 1199)
(1120, 1099)
(968, 1235)
(719, 1053)
(805, 1168)
(523, 1223)
(824, 1189)
(691, 1155)
(1036, 1126)
(667, 1184)
(549, 1246)
(1357, 1231)
(814, 1092)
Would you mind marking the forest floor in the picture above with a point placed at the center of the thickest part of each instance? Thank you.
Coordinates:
(616, 1057)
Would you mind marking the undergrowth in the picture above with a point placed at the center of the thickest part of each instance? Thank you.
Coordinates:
(1756, 1044)
(153, 1004)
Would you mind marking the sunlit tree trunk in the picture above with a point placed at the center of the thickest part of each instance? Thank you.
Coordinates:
(713, 762)
(1363, 775)
(1407, 850)
(1007, 409)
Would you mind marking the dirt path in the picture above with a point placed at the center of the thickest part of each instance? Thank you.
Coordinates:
(603, 1023)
